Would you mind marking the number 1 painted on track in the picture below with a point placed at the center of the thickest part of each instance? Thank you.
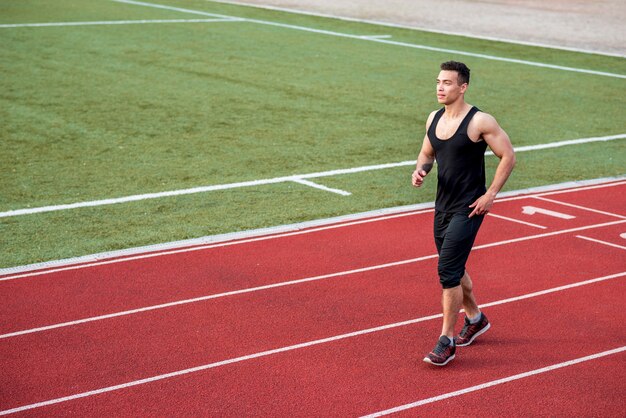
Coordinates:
(531, 210)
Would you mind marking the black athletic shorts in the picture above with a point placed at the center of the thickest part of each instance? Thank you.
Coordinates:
(454, 236)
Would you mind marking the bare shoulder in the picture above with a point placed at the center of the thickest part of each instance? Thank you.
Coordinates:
(429, 121)
(484, 126)
(485, 122)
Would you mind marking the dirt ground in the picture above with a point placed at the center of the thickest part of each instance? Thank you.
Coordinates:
(589, 25)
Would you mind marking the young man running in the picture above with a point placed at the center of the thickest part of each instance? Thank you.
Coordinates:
(457, 136)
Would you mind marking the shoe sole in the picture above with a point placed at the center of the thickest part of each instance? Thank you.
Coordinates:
(427, 360)
(481, 332)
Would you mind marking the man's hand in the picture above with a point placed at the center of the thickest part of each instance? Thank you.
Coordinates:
(482, 204)
(418, 177)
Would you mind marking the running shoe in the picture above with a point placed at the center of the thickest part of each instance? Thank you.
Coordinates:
(443, 352)
(471, 331)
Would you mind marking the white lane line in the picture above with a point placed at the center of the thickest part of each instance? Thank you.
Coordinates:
(279, 231)
(216, 296)
(614, 215)
(497, 382)
(404, 44)
(167, 251)
(517, 221)
(203, 247)
(114, 22)
(548, 234)
(291, 348)
(280, 284)
(321, 187)
(253, 183)
(417, 28)
(610, 244)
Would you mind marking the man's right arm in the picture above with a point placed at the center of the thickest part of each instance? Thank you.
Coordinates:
(426, 157)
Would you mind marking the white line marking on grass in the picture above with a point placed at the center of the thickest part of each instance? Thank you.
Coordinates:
(375, 36)
(115, 22)
(610, 244)
(265, 287)
(319, 186)
(201, 244)
(290, 348)
(497, 382)
(417, 28)
(614, 215)
(176, 9)
(578, 141)
(253, 183)
(404, 44)
(516, 220)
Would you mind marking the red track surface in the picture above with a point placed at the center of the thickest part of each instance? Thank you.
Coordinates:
(45, 355)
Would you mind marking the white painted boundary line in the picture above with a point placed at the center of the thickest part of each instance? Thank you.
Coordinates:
(404, 44)
(497, 382)
(376, 36)
(517, 221)
(216, 296)
(274, 285)
(558, 202)
(244, 237)
(291, 348)
(176, 9)
(199, 244)
(610, 244)
(298, 178)
(115, 22)
(416, 28)
(319, 186)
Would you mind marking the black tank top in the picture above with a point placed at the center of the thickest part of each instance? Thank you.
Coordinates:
(460, 166)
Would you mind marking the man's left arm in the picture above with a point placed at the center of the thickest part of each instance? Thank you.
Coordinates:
(500, 144)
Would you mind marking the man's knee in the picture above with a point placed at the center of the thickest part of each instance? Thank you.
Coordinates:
(448, 281)
(466, 282)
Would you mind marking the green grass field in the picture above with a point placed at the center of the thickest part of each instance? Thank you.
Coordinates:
(93, 112)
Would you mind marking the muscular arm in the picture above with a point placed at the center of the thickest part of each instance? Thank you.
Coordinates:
(500, 144)
(425, 159)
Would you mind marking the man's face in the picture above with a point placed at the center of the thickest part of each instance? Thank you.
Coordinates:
(448, 89)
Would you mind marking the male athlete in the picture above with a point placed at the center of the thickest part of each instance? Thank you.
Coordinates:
(457, 136)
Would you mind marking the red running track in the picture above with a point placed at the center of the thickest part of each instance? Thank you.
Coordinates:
(348, 374)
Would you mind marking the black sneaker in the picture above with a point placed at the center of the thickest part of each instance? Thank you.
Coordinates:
(471, 331)
(443, 352)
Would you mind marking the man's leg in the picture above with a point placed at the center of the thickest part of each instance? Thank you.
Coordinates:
(451, 300)
(454, 237)
(476, 323)
(469, 302)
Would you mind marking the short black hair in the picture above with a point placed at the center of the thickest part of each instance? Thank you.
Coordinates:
(460, 68)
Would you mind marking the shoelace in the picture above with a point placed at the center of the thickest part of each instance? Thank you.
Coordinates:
(439, 348)
(465, 329)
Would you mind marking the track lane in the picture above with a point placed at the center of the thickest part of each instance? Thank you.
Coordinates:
(578, 390)
(151, 343)
(105, 289)
(381, 370)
